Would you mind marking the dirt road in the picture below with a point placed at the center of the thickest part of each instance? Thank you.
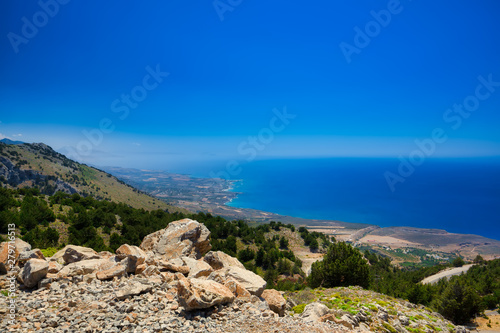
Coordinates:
(446, 274)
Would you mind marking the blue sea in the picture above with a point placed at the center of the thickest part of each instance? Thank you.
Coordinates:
(458, 195)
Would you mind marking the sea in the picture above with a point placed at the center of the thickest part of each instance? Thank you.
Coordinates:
(460, 195)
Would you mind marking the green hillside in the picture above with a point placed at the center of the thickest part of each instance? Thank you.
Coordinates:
(38, 165)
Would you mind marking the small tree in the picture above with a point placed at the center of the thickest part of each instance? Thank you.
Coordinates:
(313, 244)
(458, 262)
(459, 302)
(342, 265)
(283, 243)
(478, 259)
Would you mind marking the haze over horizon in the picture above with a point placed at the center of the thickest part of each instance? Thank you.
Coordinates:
(138, 85)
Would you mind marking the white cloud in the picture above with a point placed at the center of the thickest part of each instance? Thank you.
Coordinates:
(136, 144)
(4, 137)
(17, 135)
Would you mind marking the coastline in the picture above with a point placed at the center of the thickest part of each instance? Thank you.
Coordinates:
(217, 197)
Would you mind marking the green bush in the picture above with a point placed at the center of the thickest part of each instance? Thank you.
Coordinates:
(459, 302)
(299, 308)
(458, 262)
(342, 265)
(49, 252)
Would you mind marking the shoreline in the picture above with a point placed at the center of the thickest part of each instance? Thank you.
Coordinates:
(213, 196)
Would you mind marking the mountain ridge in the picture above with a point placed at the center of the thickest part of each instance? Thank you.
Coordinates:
(38, 165)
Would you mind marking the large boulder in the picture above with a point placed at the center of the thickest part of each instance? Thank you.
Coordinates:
(220, 260)
(249, 280)
(201, 294)
(180, 238)
(86, 267)
(275, 300)
(19, 246)
(197, 268)
(34, 270)
(313, 312)
(134, 254)
(72, 253)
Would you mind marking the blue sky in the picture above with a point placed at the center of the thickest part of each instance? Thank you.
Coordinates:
(225, 77)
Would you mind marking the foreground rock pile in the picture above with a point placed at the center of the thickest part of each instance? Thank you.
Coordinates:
(172, 282)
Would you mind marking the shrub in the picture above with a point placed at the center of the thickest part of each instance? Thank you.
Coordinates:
(49, 252)
(299, 308)
(458, 262)
(459, 302)
(342, 265)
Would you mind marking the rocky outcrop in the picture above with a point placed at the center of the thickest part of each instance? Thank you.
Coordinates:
(276, 301)
(16, 176)
(186, 237)
(140, 290)
(367, 313)
(34, 270)
(249, 280)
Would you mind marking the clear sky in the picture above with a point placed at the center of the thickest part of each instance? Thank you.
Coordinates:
(158, 81)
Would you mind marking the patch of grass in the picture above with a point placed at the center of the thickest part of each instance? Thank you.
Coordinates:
(432, 327)
(414, 330)
(49, 252)
(393, 312)
(382, 303)
(4, 292)
(389, 328)
(349, 309)
(303, 296)
(299, 308)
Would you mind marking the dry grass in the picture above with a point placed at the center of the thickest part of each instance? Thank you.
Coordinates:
(90, 180)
